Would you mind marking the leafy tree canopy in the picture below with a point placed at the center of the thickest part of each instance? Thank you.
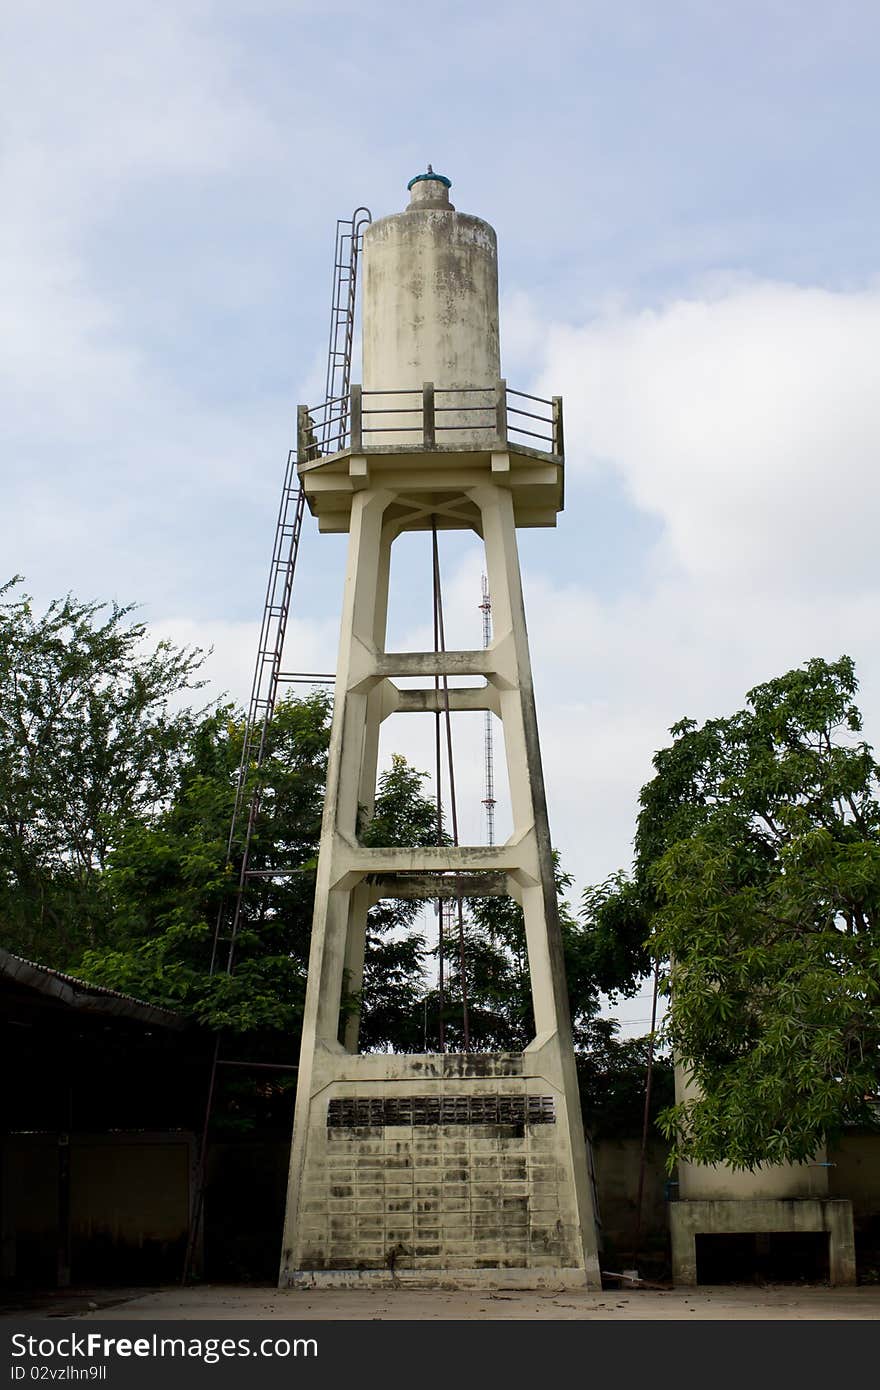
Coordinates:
(115, 803)
(757, 871)
(92, 737)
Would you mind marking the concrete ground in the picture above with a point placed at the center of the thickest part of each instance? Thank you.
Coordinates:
(226, 1302)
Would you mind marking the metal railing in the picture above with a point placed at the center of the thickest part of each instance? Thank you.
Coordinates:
(431, 418)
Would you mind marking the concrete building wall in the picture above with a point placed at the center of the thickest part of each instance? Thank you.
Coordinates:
(125, 1213)
(700, 1182)
(28, 1208)
(129, 1193)
(616, 1163)
(855, 1173)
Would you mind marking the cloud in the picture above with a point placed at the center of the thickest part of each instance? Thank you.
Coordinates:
(747, 419)
(171, 175)
(231, 647)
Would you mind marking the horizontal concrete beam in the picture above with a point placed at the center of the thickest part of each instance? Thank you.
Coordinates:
(473, 663)
(427, 886)
(432, 859)
(434, 701)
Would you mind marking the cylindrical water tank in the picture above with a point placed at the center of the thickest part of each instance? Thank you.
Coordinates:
(430, 313)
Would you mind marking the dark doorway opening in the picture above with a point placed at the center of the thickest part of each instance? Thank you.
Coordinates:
(772, 1257)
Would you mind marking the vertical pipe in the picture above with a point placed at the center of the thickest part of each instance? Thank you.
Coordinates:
(438, 608)
(501, 413)
(645, 1121)
(437, 773)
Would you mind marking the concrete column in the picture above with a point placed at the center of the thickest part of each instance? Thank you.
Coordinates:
(337, 941)
(359, 902)
(524, 769)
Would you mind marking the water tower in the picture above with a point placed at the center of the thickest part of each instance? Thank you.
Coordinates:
(456, 1169)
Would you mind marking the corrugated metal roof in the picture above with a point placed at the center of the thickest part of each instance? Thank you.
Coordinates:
(80, 994)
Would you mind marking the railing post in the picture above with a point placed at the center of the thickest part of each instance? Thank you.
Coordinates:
(558, 439)
(429, 431)
(357, 420)
(306, 443)
(501, 412)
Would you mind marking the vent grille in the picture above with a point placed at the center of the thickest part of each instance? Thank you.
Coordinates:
(354, 1112)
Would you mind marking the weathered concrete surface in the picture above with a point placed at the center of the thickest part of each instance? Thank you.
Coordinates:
(720, 1304)
(738, 1216)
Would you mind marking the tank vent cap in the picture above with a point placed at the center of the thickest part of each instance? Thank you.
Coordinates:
(437, 178)
(430, 191)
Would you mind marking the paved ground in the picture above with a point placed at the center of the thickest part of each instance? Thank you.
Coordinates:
(230, 1302)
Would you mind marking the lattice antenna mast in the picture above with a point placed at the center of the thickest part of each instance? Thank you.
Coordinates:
(488, 749)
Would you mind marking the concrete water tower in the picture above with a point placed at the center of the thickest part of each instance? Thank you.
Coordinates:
(456, 1169)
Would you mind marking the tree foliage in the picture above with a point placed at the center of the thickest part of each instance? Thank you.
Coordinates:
(391, 1000)
(758, 869)
(169, 878)
(91, 740)
(115, 804)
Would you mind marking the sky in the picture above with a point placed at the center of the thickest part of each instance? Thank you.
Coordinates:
(686, 202)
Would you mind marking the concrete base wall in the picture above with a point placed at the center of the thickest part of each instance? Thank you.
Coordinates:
(442, 1200)
(690, 1219)
(768, 1182)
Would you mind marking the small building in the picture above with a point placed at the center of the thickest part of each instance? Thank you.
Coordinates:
(99, 1103)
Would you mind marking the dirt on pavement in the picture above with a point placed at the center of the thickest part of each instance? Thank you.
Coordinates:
(231, 1302)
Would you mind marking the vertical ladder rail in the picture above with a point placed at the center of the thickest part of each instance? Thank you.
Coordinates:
(349, 244)
(264, 695)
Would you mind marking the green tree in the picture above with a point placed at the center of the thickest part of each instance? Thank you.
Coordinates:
(758, 871)
(611, 1070)
(497, 972)
(391, 1001)
(91, 740)
(168, 880)
(115, 803)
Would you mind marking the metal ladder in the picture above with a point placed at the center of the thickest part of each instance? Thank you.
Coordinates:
(261, 707)
(349, 243)
(268, 675)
